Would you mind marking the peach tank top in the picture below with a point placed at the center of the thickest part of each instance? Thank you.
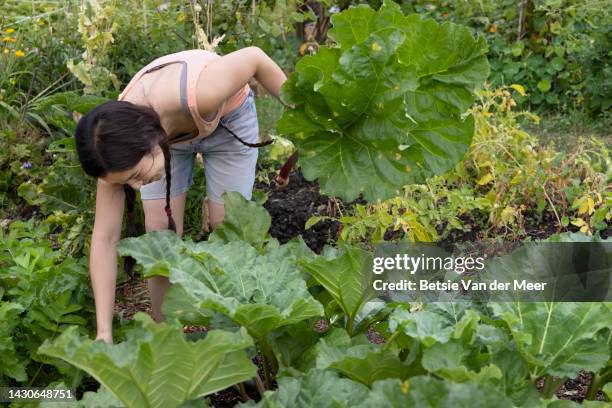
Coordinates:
(193, 61)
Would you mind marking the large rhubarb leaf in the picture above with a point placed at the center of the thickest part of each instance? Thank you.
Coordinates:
(101, 398)
(261, 291)
(354, 357)
(156, 366)
(428, 392)
(451, 361)
(365, 363)
(385, 107)
(515, 381)
(425, 392)
(558, 339)
(324, 389)
(317, 388)
(347, 278)
(158, 252)
(291, 343)
(437, 323)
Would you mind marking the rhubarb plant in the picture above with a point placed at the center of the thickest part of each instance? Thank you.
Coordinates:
(347, 278)
(156, 366)
(355, 358)
(259, 287)
(325, 389)
(540, 331)
(385, 106)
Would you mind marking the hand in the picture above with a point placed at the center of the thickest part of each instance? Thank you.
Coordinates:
(105, 337)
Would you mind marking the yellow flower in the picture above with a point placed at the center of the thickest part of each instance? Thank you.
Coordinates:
(5, 51)
(19, 54)
(8, 39)
(9, 30)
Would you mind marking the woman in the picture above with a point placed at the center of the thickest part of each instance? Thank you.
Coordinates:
(180, 104)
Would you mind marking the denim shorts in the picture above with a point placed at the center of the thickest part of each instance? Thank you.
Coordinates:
(228, 164)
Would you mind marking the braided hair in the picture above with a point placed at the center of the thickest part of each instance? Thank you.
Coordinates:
(115, 136)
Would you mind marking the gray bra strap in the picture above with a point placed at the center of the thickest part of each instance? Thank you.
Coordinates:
(182, 85)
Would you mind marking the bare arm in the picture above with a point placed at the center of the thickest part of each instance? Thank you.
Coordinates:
(103, 258)
(224, 77)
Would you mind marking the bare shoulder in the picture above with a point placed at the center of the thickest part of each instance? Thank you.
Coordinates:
(163, 88)
(225, 76)
(160, 90)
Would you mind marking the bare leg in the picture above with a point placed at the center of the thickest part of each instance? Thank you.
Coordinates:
(216, 212)
(156, 219)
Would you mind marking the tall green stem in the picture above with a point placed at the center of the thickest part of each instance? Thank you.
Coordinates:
(269, 362)
(267, 379)
(391, 338)
(349, 326)
(551, 385)
(598, 381)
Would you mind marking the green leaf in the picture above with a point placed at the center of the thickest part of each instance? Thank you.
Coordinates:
(607, 389)
(367, 366)
(565, 220)
(557, 63)
(314, 220)
(262, 292)
(13, 364)
(355, 358)
(156, 366)
(317, 388)
(157, 252)
(541, 335)
(429, 392)
(177, 303)
(449, 360)
(517, 48)
(71, 101)
(544, 85)
(425, 392)
(244, 220)
(290, 343)
(101, 398)
(352, 26)
(385, 108)
(437, 322)
(427, 327)
(388, 393)
(346, 277)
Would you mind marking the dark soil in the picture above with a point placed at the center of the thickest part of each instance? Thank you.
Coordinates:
(132, 297)
(575, 389)
(291, 206)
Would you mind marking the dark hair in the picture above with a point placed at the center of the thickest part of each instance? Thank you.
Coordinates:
(115, 136)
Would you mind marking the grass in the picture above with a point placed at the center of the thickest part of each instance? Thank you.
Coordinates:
(564, 129)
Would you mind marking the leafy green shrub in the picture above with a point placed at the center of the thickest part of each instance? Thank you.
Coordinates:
(506, 184)
(385, 106)
(469, 345)
(44, 292)
(559, 50)
(156, 366)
